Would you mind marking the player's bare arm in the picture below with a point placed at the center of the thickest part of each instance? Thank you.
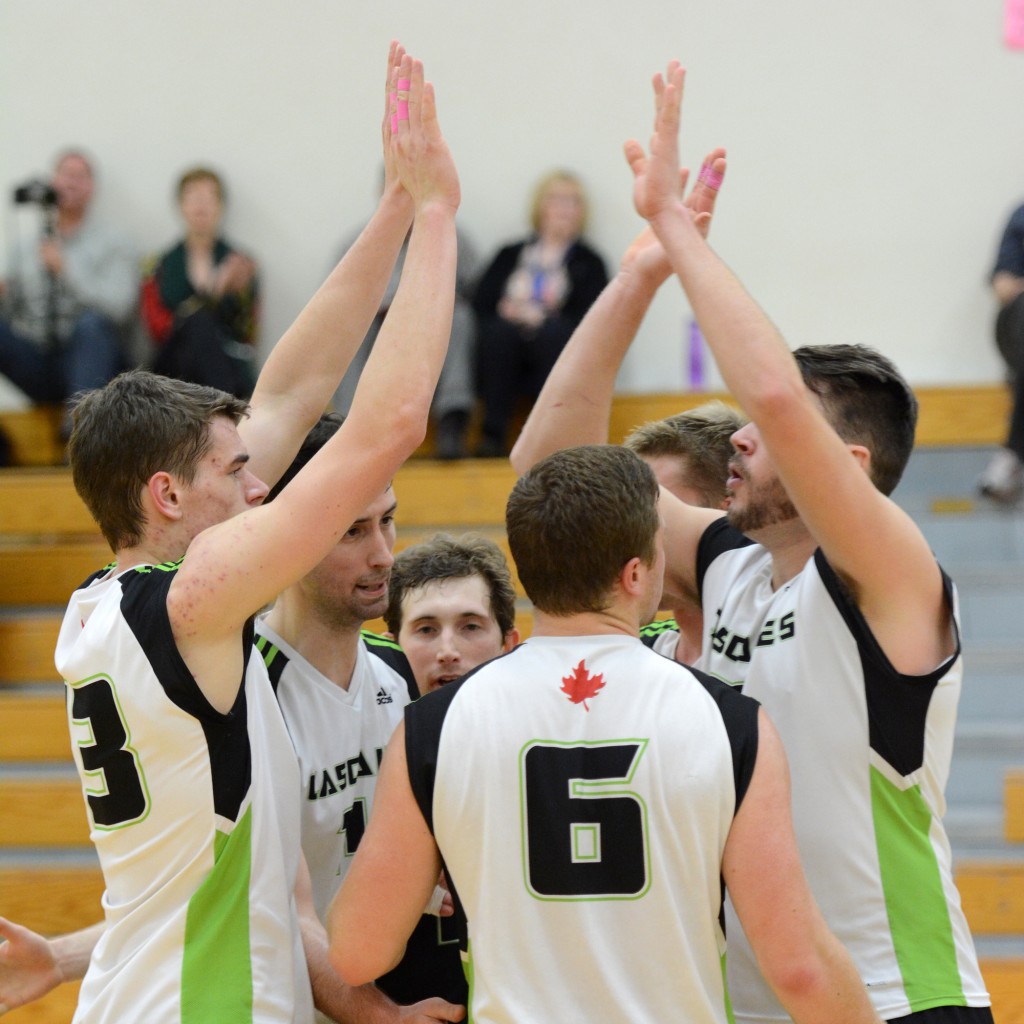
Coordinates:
(574, 405)
(800, 958)
(236, 567)
(391, 878)
(363, 1003)
(870, 542)
(305, 366)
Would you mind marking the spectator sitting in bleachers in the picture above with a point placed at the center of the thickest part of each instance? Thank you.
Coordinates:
(200, 298)
(529, 300)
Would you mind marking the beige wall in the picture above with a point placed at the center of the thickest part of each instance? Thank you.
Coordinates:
(876, 147)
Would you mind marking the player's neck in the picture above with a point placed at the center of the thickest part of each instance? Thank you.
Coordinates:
(585, 624)
(331, 649)
(790, 544)
(690, 621)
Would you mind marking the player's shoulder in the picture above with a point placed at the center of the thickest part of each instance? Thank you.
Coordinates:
(387, 654)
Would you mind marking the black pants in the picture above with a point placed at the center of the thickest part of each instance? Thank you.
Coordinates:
(200, 351)
(948, 1015)
(513, 362)
(1010, 340)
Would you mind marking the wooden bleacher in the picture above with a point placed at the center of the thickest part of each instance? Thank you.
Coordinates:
(49, 544)
(972, 414)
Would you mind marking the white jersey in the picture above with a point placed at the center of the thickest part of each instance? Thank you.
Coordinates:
(869, 752)
(339, 736)
(585, 787)
(662, 636)
(193, 815)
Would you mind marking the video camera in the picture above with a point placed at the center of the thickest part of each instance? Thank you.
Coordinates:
(37, 191)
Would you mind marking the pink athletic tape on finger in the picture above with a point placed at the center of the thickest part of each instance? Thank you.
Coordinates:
(394, 123)
(403, 110)
(403, 85)
(710, 177)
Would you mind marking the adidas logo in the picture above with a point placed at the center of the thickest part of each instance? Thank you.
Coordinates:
(383, 697)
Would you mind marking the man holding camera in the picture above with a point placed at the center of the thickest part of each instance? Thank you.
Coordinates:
(69, 297)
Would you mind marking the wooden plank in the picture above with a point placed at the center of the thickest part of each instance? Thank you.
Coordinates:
(33, 434)
(1013, 802)
(992, 893)
(28, 643)
(454, 495)
(52, 901)
(44, 812)
(35, 729)
(1004, 978)
(56, 1007)
(46, 574)
(42, 501)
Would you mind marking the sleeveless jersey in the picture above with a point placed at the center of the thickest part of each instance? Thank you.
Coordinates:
(581, 790)
(339, 737)
(193, 815)
(869, 752)
(661, 636)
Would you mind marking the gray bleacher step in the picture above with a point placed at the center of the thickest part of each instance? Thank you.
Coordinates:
(999, 947)
(48, 858)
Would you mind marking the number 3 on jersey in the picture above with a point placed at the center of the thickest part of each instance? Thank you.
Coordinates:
(584, 833)
(116, 785)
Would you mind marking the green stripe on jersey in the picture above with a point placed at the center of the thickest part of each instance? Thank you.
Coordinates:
(216, 969)
(915, 902)
(376, 640)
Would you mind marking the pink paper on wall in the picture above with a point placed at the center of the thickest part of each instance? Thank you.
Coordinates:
(1014, 24)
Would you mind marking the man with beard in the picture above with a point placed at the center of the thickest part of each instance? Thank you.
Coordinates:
(831, 611)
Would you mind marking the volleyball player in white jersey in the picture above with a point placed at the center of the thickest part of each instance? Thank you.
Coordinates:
(838, 618)
(689, 453)
(587, 796)
(189, 789)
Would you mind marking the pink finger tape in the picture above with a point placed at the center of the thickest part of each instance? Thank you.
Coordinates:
(403, 85)
(403, 110)
(394, 123)
(710, 177)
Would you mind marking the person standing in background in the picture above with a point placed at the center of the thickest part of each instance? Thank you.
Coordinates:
(1003, 478)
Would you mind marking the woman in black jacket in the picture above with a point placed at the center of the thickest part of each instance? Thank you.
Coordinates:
(529, 301)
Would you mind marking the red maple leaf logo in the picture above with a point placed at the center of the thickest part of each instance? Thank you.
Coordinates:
(580, 685)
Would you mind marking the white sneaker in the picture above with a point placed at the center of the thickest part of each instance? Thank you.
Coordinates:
(1003, 479)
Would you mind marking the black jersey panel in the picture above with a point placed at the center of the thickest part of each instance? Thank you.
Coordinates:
(394, 657)
(897, 704)
(739, 715)
(144, 607)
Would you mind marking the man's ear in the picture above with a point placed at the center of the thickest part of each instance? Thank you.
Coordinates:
(631, 577)
(510, 640)
(164, 494)
(388, 635)
(862, 455)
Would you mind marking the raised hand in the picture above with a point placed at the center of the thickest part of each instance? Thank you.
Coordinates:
(658, 182)
(422, 160)
(395, 55)
(701, 200)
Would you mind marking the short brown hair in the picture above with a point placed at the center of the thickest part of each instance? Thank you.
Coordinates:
(194, 174)
(575, 519)
(700, 438)
(445, 557)
(867, 401)
(137, 425)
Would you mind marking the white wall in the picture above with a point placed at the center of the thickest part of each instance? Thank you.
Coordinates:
(875, 147)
